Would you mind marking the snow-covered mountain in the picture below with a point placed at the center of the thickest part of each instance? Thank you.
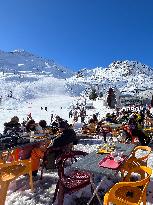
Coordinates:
(36, 83)
(21, 60)
(32, 77)
(127, 76)
(28, 76)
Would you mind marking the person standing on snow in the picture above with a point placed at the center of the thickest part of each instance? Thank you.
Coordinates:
(70, 114)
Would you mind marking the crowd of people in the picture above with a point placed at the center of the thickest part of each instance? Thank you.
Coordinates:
(76, 113)
(132, 124)
(63, 134)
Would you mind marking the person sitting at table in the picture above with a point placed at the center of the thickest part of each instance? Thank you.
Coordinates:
(55, 124)
(68, 135)
(143, 138)
(60, 145)
(135, 130)
(13, 125)
(43, 124)
(108, 117)
(126, 134)
(31, 126)
(89, 128)
(98, 128)
(37, 154)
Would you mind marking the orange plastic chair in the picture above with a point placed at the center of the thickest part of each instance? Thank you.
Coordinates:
(127, 192)
(10, 171)
(35, 154)
(133, 161)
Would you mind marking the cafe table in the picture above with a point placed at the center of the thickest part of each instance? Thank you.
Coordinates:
(33, 142)
(91, 163)
(112, 125)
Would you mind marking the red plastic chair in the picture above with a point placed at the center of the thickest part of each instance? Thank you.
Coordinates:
(72, 182)
(56, 153)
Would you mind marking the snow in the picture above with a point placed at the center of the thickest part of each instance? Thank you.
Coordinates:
(36, 82)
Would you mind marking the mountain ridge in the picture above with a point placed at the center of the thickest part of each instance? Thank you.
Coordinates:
(124, 75)
(21, 60)
(22, 70)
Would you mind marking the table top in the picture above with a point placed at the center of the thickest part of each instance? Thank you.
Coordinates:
(32, 142)
(112, 125)
(90, 161)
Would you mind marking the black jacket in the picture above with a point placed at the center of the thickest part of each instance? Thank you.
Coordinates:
(9, 126)
(68, 136)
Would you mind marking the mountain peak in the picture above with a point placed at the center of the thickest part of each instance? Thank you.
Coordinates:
(21, 60)
(19, 50)
(126, 63)
(130, 67)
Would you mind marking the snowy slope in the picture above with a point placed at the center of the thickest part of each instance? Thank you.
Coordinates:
(29, 76)
(34, 79)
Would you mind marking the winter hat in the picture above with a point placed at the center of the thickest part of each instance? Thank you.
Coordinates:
(15, 119)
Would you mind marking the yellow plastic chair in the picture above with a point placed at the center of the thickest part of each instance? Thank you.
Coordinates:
(127, 192)
(133, 161)
(10, 171)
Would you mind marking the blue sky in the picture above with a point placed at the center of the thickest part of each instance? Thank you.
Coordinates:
(79, 33)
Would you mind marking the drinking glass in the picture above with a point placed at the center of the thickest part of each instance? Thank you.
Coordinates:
(120, 154)
(117, 159)
(114, 153)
